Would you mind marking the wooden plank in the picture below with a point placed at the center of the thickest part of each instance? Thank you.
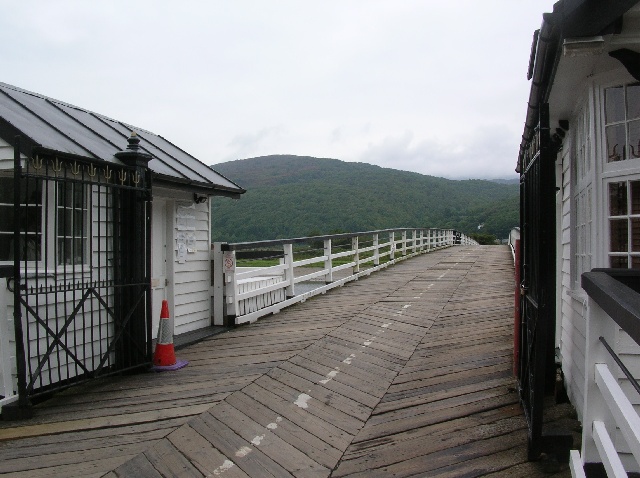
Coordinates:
(440, 411)
(263, 438)
(244, 454)
(442, 436)
(207, 459)
(324, 395)
(326, 432)
(312, 406)
(169, 461)
(139, 466)
(312, 446)
(349, 388)
(100, 422)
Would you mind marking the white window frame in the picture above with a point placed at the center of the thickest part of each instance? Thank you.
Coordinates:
(49, 250)
(617, 171)
(627, 179)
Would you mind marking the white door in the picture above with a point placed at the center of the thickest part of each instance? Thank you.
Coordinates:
(159, 279)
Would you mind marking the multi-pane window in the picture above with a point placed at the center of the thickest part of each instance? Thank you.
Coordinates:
(622, 122)
(624, 224)
(71, 222)
(50, 212)
(581, 149)
(584, 221)
(30, 243)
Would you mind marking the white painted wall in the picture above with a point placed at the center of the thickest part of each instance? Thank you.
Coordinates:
(584, 239)
(188, 274)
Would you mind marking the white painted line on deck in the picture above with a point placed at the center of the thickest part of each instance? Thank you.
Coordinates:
(226, 465)
(406, 306)
(349, 359)
(257, 440)
(244, 451)
(329, 376)
(302, 400)
(274, 425)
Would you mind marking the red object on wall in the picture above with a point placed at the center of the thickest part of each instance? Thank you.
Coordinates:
(516, 313)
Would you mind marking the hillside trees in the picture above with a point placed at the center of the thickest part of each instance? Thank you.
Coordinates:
(288, 196)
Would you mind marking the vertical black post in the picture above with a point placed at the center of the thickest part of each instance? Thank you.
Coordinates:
(147, 279)
(23, 409)
(135, 260)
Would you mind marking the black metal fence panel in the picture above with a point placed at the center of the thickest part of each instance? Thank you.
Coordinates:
(82, 287)
(536, 368)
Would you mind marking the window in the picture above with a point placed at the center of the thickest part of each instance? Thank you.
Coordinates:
(622, 122)
(64, 227)
(30, 219)
(582, 161)
(584, 221)
(71, 220)
(624, 224)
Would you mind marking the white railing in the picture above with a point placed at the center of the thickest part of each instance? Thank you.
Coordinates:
(514, 235)
(611, 425)
(7, 386)
(244, 294)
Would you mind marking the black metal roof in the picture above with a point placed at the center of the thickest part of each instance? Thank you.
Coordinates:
(49, 125)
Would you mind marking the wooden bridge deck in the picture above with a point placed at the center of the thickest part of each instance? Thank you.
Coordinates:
(404, 373)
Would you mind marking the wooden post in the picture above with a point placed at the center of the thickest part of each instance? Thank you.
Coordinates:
(356, 256)
(414, 238)
(404, 243)
(376, 250)
(289, 276)
(217, 275)
(392, 246)
(328, 278)
(230, 287)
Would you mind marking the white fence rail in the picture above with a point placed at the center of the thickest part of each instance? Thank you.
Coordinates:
(611, 425)
(514, 235)
(244, 294)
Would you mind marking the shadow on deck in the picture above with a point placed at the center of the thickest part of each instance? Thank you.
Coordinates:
(406, 372)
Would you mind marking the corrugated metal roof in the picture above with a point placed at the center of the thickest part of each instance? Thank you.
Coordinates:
(67, 129)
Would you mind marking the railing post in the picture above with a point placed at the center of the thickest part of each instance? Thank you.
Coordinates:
(376, 250)
(356, 256)
(414, 239)
(217, 275)
(328, 278)
(598, 324)
(392, 246)
(289, 275)
(23, 408)
(404, 243)
(230, 286)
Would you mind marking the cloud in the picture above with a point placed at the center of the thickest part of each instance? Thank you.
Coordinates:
(244, 145)
(485, 153)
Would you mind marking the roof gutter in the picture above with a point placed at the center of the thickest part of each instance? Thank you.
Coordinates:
(202, 188)
(543, 54)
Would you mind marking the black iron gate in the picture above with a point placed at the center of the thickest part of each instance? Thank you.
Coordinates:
(537, 195)
(81, 279)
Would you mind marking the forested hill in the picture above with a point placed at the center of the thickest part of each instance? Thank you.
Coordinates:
(293, 196)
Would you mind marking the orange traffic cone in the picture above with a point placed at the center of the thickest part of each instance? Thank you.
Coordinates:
(164, 357)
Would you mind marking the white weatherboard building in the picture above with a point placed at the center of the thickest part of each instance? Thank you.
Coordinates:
(109, 220)
(580, 211)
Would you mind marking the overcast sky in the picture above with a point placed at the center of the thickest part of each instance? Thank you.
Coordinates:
(436, 87)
